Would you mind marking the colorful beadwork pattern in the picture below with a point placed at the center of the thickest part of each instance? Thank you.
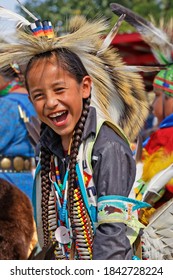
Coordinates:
(120, 209)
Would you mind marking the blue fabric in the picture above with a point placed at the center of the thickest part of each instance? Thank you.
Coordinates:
(14, 136)
(34, 196)
(23, 181)
(167, 122)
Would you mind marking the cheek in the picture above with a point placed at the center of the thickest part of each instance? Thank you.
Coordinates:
(168, 107)
(158, 110)
(38, 107)
(157, 105)
(75, 101)
(154, 105)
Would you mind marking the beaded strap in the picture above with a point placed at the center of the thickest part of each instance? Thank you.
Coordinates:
(84, 234)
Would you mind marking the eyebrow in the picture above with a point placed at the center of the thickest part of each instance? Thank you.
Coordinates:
(59, 83)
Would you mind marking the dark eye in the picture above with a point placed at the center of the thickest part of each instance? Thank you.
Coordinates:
(60, 89)
(37, 96)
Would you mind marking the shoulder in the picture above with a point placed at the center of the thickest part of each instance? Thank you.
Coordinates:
(109, 139)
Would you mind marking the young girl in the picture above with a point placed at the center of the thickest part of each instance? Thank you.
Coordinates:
(86, 167)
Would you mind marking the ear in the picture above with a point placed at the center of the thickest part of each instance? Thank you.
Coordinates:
(86, 86)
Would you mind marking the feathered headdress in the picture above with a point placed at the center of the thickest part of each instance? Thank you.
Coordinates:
(117, 92)
(159, 38)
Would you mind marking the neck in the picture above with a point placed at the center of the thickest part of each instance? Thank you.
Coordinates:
(66, 143)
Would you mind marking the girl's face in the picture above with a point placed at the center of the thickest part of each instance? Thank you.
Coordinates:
(162, 105)
(57, 97)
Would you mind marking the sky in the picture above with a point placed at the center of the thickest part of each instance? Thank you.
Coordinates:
(10, 4)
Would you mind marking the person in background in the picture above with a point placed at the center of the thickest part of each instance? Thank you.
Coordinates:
(158, 148)
(154, 183)
(16, 152)
(151, 121)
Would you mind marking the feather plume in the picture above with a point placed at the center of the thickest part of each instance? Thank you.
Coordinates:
(139, 68)
(107, 41)
(138, 154)
(157, 237)
(27, 11)
(157, 183)
(32, 126)
(156, 38)
(33, 132)
(7, 16)
(139, 163)
(36, 122)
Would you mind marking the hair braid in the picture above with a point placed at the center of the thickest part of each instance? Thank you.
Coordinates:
(45, 189)
(76, 141)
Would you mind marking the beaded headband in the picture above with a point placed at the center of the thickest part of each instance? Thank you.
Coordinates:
(117, 92)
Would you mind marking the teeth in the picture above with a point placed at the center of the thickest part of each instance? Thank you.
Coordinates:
(56, 114)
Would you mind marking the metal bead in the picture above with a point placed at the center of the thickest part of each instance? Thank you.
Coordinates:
(18, 163)
(5, 163)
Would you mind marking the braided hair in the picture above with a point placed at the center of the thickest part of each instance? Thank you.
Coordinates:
(13, 72)
(69, 62)
(45, 187)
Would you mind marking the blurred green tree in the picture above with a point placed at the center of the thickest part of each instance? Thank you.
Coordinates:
(59, 11)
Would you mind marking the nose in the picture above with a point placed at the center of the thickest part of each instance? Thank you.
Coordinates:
(51, 102)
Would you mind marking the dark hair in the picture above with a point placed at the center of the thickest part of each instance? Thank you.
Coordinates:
(8, 73)
(70, 62)
(13, 72)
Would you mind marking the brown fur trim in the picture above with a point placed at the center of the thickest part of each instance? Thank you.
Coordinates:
(16, 222)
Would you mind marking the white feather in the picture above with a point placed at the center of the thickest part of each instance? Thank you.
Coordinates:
(26, 11)
(158, 235)
(107, 41)
(138, 68)
(158, 181)
(156, 38)
(9, 16)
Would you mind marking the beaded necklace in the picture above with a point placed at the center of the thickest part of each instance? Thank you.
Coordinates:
(63, 233)
(9, 87)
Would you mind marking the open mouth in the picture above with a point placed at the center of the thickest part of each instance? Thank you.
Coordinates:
(59, 118)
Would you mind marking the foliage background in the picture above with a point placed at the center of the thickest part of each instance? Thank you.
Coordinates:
(59, 11)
